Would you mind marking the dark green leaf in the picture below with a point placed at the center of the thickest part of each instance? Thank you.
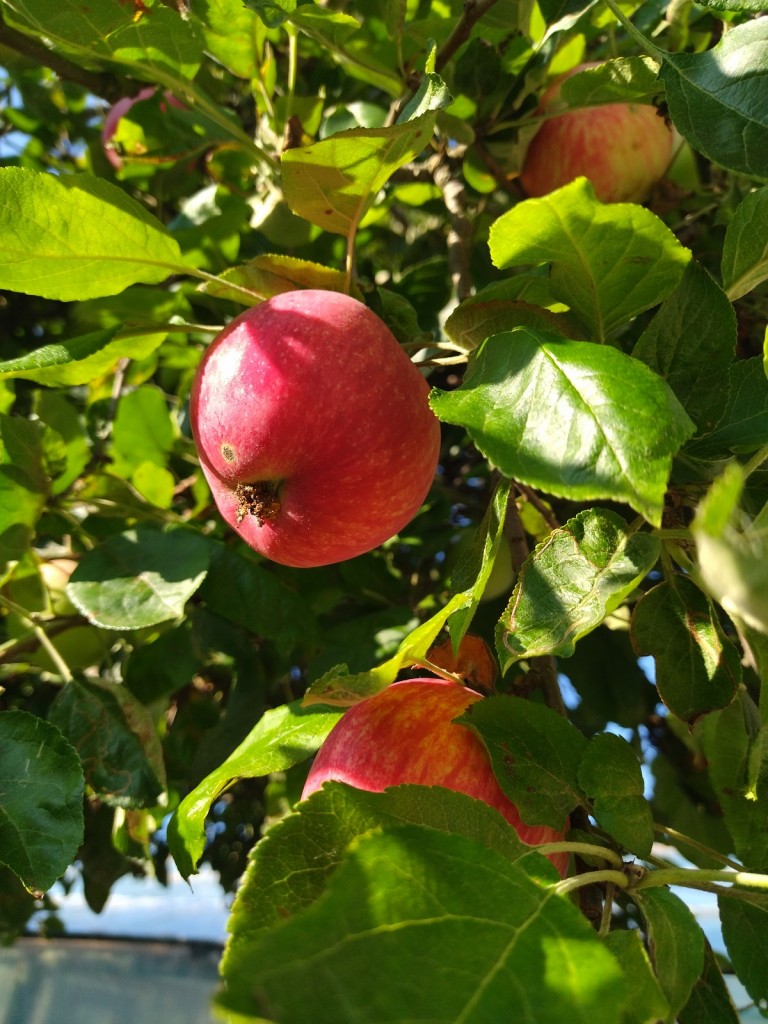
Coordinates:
(567, 586)
(647, 1002)
(745, 252)
(116, 740)
(610, 773)
(77, 237)
(744, 423)
(690, 343)
(272, 12)
(24, 484)
(573, 418)
(249, 594)
(609, 261)
(535, 755)
(41, 799)
(718, 100)
(283, 737)
(697, 667)
(678, 944)
(140, 577)
(710, 1001)
(485, 939)
(726, 739)
(745, 931)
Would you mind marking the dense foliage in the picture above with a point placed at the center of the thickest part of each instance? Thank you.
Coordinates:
(598, 519)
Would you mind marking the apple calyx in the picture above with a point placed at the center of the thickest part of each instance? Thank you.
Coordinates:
(258, 500)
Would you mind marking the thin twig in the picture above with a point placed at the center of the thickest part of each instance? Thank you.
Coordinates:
(474, 10)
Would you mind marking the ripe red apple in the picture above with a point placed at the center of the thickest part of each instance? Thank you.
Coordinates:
(623, 148)
(313, 428)
(406, 734)
(119, 110)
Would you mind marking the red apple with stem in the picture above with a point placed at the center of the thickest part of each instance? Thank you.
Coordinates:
(406, 734)
(623, 148)
(313, 428)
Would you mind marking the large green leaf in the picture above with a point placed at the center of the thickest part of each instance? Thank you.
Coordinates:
(290, 869)
(718, 100)
(609, 262)
(77, 237)
(710, 1001)
(697, 667)
(479, 943)
(610, 773)
(283, 737)
(333, 182)
(153, 38)
(568, 585)
(677, 942)
(691, 342)
(743, 427)
(116, 740)
(535, 755)
(648, 1002)
(745, 251)
(41, 799)
(576, 419)
(140, 577)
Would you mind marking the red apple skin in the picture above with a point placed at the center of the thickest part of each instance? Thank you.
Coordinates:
(310, 395)
(623, 148)
(406, 734)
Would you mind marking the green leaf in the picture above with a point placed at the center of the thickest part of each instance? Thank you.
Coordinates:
(77, 237)
(745, 931)
(268, 275)
(732, 562)
(647, 1002)
(677, 942)
(570, 582)
(272, 12)
(726, 740)
(535, 755)
(745, 250)
(697, 667)
(140, 577)
(116, 740)
(609, 262)
(472, 574)
(484, 937)
(717, 99)
(710, 1001)
(251, 595)
(152, 39)
(610, 773)
(24, 483)
(333, 182)
(575, 419)
(143, 430)
(41, 799)
(691, 343)
(282, 737)
(621, 80)
(290, 869)
(743, 426)
(339, 688)
(230, 35)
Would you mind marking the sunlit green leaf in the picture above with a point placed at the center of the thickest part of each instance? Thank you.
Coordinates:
(745, 251)
(576, 419)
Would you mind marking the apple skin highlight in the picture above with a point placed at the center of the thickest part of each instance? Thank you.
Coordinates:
(623, 148)
(310, 397)
(406, 734)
